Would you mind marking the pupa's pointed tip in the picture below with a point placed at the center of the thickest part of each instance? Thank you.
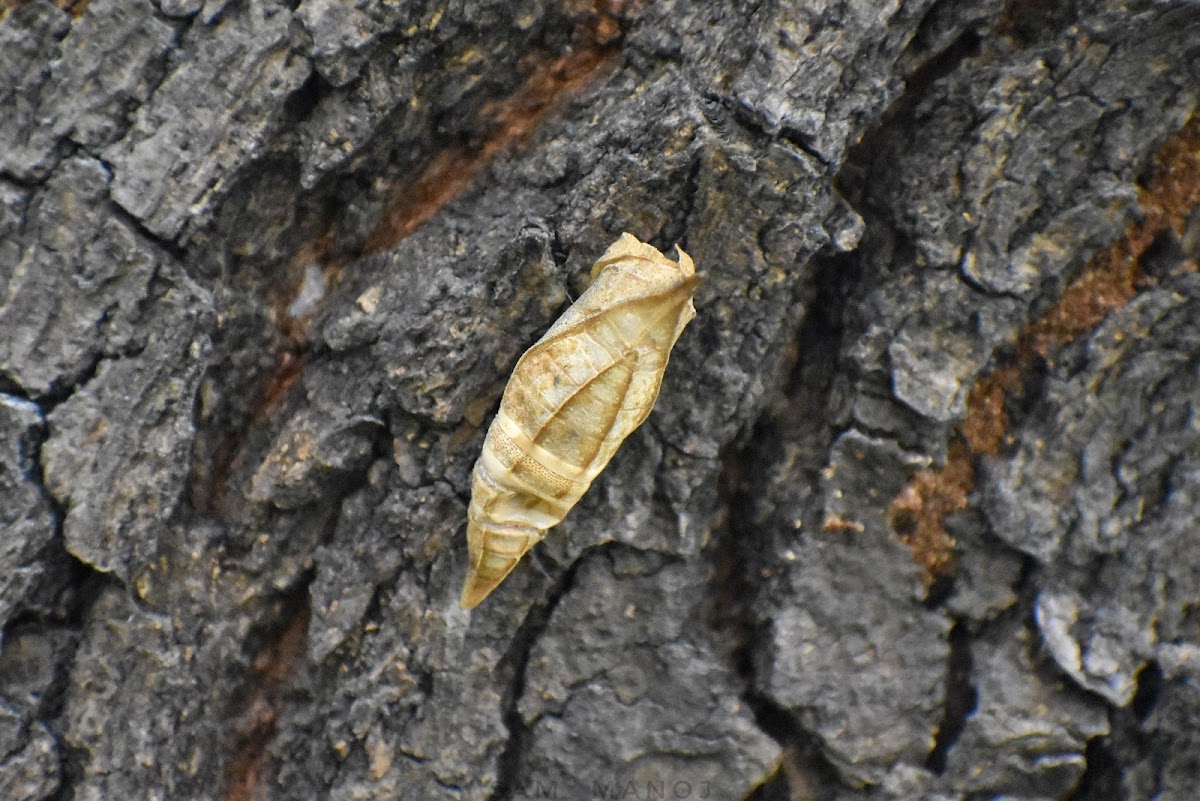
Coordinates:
(491, 562)
(686, 265)
(476, 588)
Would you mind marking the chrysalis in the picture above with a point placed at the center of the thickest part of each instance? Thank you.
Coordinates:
(572, 400)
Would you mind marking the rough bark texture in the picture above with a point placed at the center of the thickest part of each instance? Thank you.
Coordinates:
(917, 514)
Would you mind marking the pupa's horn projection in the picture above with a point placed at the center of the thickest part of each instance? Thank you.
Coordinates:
(572, 400)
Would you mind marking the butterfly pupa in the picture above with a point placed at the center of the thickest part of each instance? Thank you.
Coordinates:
(573, 398)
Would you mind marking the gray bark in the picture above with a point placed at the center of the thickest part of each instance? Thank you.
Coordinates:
(266, 269)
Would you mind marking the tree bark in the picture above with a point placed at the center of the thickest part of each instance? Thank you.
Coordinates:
(917, 514)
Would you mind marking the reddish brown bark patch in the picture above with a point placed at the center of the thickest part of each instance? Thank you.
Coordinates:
(919, 512)
(454, 171)
(985, 428)
(1107, 283)
(275, 663)
(73, 7)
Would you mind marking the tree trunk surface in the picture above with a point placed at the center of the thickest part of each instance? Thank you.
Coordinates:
(916, 516)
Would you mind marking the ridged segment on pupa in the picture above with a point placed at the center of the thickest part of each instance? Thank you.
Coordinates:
(572, 400)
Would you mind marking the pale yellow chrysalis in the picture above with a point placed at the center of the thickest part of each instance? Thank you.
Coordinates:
(572, 400)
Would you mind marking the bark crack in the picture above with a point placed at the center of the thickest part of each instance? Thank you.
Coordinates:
(282, 653)
(961, 697)
(513, 664)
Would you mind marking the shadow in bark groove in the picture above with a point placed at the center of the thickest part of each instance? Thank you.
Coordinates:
(512, 666)
(279, 642)
(1109, 757)
(84, 588)
(960, 697)
(797, 423)
(283, 644)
